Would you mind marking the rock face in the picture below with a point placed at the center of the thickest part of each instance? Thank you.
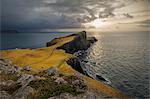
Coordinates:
(76, 64)
(80, 42)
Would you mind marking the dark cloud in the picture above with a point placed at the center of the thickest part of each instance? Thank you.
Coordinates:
(128, 15)
(40, 14)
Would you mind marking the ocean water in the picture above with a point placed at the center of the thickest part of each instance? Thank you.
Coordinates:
(26, 40)
(124, 59)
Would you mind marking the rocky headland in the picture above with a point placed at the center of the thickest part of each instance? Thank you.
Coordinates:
(52, 72)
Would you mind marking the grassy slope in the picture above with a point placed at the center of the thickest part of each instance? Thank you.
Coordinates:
(43, 58)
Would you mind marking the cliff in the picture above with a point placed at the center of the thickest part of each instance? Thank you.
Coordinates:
(41, 69)
(80, 42)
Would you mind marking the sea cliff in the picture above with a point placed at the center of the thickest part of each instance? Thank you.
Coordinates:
(51, 72)
(80, 42)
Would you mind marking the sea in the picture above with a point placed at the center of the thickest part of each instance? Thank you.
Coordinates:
(122, 57)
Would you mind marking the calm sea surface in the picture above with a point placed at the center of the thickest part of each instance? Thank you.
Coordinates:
(123, 58)
(27, 40)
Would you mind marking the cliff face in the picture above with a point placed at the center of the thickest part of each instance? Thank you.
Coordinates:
(80, 42)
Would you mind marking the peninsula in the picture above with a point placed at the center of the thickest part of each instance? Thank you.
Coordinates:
(52, 72)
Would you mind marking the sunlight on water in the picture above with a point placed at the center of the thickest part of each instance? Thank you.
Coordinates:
(124, 59)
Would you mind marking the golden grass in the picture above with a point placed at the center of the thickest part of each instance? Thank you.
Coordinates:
(40, 58)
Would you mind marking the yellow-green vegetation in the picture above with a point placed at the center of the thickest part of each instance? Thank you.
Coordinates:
(42, 58)
(48, 88)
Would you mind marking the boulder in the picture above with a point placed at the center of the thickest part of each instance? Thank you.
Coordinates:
(52, 71)
(25, 93)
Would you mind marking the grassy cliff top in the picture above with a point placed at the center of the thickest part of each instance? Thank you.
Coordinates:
(42, 58)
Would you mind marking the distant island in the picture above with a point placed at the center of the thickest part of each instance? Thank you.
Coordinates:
(9, 31)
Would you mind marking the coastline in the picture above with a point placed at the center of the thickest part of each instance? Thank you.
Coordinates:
(56, 55)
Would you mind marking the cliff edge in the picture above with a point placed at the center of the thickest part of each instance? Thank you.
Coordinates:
(80, 42)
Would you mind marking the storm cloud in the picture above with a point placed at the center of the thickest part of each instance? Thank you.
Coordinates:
(43, 14)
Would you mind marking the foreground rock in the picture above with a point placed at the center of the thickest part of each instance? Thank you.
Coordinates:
(47, 84)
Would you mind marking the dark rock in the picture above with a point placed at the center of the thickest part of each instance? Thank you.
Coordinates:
(76, 64)
(103, 79)
(53, 42)
(100, 78)
(80, 42)
(92, 39)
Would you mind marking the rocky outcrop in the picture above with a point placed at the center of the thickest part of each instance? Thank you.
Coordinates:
(80, 42)
(75, 64)
(17, 84)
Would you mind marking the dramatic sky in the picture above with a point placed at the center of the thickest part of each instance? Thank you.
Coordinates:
(67, 14)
